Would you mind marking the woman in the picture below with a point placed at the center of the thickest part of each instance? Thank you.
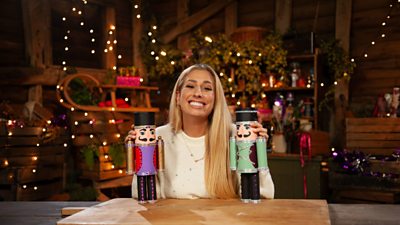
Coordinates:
(196, 140)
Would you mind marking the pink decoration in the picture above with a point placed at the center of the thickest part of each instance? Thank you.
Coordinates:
(128, 81)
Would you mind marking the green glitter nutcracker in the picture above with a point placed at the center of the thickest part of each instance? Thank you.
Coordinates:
(248, 155)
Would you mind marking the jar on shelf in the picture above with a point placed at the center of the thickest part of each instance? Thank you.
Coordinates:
(308, 107)
(310, 78)
(295, 73)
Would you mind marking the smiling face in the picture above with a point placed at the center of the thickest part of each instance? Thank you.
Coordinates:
(145, 135)
(244, 132)
(197, 95)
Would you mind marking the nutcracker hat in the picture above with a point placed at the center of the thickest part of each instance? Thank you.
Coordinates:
(244, 115)
(144, 118)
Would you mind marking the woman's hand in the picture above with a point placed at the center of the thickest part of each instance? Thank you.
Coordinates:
(260, 130)
(131, 134)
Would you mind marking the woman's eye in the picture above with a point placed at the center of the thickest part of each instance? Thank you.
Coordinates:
(189, 86)
(208, 88)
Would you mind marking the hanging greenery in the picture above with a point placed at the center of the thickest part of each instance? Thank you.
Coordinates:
(84, 92)
(90, 155)
(116, 152)
(340, 67)
(242, 66)
(338, 60)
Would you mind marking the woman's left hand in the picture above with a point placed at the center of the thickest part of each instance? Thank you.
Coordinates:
(259, 129)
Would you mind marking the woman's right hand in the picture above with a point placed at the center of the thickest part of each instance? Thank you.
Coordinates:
(131, 134)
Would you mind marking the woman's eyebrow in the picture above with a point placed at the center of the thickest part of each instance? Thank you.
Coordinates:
(195, 81)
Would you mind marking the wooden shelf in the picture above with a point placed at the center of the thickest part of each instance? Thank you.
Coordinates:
(304, 57)
(286, 89)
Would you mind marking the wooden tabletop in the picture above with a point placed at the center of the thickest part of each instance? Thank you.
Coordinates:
(123, 211)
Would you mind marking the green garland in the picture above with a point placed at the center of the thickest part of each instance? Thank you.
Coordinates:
(241, 66)
(340, 67)
(116, 152)
(90, 155)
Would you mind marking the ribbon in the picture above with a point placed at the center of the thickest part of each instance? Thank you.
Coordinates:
(305, 147)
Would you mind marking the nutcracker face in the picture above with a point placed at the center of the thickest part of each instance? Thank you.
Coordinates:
(244, 132)
(145, 135)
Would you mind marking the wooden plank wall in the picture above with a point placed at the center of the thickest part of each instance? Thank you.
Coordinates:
(256, 13)
(306, 16)
(374, 75)
(314, 15)
(167, 10)
(79, 43)
(310, 16)
(380, 71)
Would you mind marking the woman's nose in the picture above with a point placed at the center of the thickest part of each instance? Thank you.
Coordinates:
(198, 91)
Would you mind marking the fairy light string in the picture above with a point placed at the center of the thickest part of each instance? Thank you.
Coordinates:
(383, 29)
(78, 9)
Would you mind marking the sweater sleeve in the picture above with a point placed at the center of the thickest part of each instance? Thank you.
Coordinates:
(267, 188)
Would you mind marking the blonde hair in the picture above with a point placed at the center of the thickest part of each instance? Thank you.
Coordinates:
(220, 181)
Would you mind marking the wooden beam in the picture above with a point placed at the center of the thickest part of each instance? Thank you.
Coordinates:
(103, 2)
(110, 57)
(183, 13)
(194, 20)
(343, 22)
(36, 19)
(341, 99)
(283, 15)
(231, 18)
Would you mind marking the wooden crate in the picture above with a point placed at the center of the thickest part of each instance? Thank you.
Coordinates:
(101, 129)
(378, 136)
(103, 169)
(106, 126)
(32, 168)
(347, 188)
(372, 136)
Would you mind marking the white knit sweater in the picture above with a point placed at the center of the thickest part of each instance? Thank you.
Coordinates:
(184, 168)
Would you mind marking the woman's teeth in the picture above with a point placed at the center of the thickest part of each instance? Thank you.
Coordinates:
(196, 103)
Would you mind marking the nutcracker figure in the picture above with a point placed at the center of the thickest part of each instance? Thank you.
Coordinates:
(248, 155)
(145, 156)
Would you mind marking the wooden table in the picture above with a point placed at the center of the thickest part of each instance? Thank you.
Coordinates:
(48, 213)
(123, 211)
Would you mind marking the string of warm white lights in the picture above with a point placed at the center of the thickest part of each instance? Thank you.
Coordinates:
(14, 124)
(97, 140)
(110, 43)
(137, 10)
(80, 12)
(395, 4)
